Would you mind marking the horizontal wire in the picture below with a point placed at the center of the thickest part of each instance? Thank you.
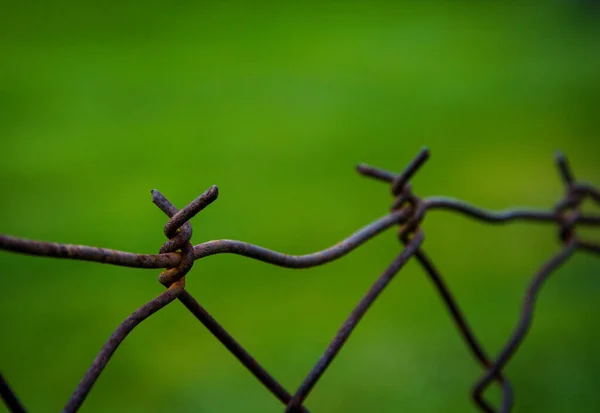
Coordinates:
(299, 261)
(172, 259)
(513, 214)
(178, 230)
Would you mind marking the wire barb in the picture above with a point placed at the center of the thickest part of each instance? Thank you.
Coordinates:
(187, 213)
(564, 168)
(401, 180)
(167, 277)
(375, 173)
(177, 256)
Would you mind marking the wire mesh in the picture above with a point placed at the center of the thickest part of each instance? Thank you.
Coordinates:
(177, 256)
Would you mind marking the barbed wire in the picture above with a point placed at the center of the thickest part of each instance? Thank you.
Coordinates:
(177, 256)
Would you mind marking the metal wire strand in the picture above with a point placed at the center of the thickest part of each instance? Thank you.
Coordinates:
(87, 253)
(300, 261)
(127, 259)
(116, 338)
(463, 327)
(564, 169)
(351, 322)
(172, 259)
(235, 348)
(500, 217)
(401, 180)
(589, 246)
(522, 328)
(187, 213)
(589, 190)
(177, 255)
(204, 317)
(11, 401)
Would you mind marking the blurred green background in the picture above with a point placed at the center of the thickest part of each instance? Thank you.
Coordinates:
(276, 104)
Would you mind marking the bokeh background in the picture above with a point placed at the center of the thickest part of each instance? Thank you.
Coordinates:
(276, 104)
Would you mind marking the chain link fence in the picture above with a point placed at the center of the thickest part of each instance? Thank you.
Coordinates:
(177, 256)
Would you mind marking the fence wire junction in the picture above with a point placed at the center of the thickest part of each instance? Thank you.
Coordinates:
(177, 256)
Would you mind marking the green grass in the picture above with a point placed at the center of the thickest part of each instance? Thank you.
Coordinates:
(99, 104)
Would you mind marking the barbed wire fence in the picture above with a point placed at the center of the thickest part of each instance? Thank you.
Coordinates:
(177, 256)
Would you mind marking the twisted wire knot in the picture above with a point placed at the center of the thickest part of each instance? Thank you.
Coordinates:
(567, 214)
(402, 191)
(179, 232)
(568, 209)
(415, 211)
(405, 199)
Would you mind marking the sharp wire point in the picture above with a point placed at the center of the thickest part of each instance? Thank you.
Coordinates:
(177, 256)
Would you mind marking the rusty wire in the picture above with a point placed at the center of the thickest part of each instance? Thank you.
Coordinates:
(177, 256)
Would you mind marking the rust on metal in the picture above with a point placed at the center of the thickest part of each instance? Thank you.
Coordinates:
(177, 255)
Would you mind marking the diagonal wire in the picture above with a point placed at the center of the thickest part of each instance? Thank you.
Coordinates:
(522, 328)
(10, 398)
(462, 325)
(177, 256)
(210, 323)
(126, 327)
(235, 348)
(355, 316)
